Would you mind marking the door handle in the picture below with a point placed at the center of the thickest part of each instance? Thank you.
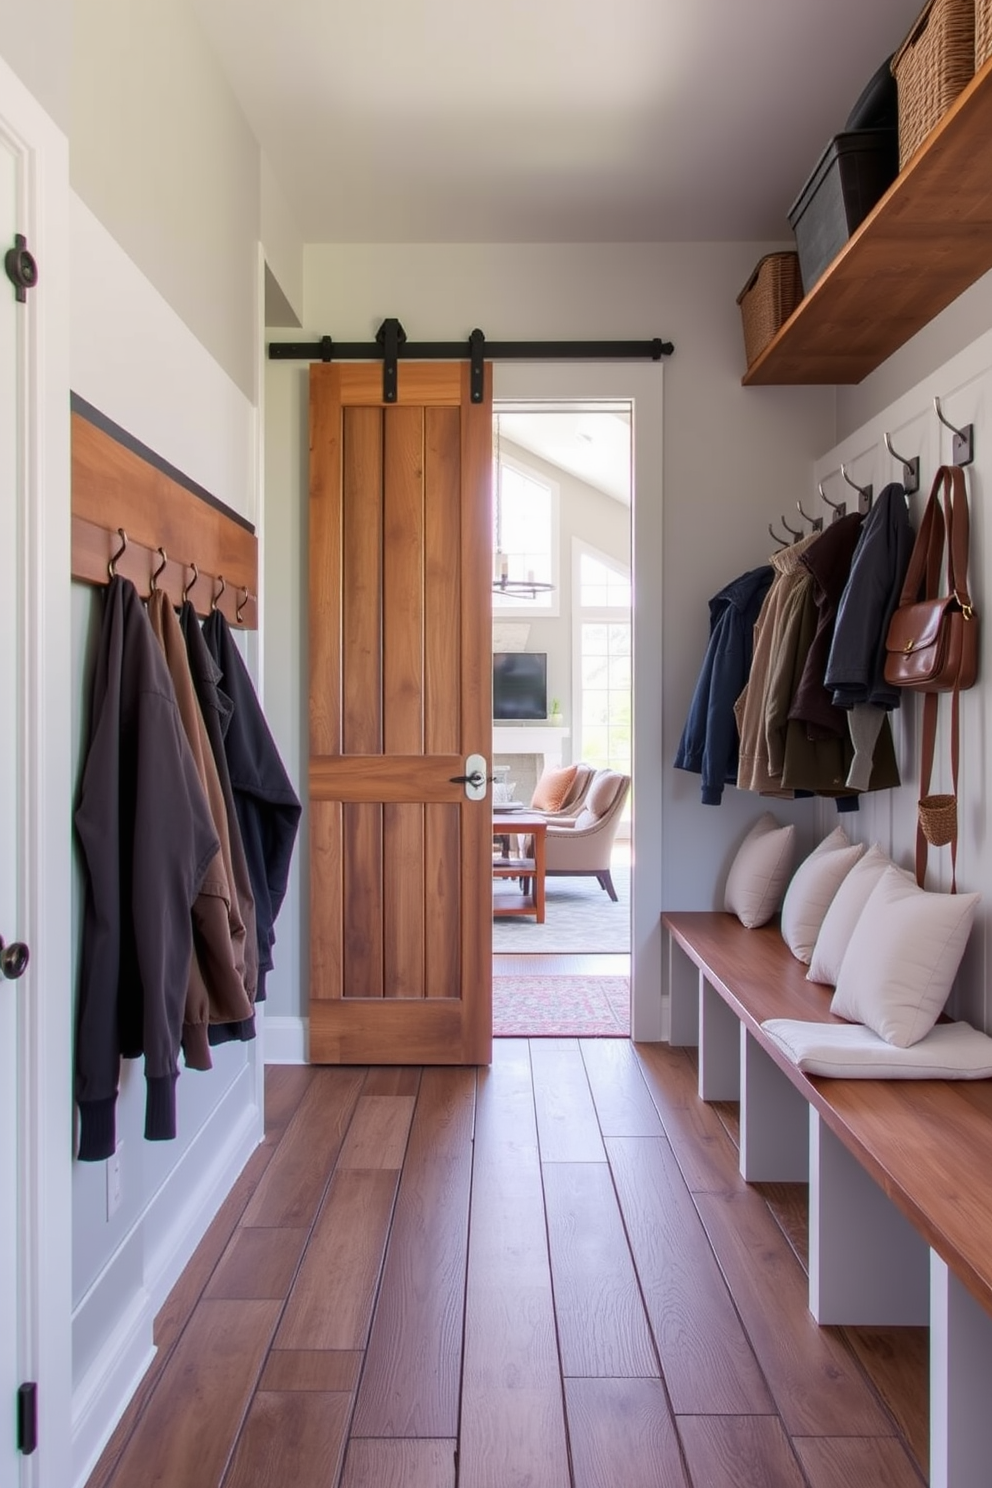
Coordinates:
(475, 778)
(14, 959)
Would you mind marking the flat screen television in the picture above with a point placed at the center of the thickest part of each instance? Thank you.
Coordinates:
(520, 684)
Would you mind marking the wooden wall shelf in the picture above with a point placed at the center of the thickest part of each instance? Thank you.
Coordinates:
(923, 244)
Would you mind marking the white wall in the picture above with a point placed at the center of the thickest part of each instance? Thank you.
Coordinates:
(733, 459)
(134, 359)
(162, 153)
(963, 382)
(36, 41)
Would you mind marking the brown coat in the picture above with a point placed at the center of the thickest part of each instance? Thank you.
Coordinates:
(751, 707)
(218, 991)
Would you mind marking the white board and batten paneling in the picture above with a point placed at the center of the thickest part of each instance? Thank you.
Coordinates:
(964, 386)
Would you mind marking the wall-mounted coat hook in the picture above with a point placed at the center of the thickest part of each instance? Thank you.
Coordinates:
(910, 469)
(216, 599)
(963, 443)
(783, 542)
(239, 607)
(192, 582)
(112, 565)
(839, 507)
(865, 493)
(156, 573)
(795, 535)
(816, 523)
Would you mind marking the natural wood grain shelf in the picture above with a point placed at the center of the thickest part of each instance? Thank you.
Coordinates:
(924, 243)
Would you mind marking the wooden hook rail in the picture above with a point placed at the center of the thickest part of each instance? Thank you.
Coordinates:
(211, 551)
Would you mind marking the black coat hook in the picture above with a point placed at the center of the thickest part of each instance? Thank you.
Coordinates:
(816, 523)
(910, 469)
(839, 508)
(112, 565)
(864, 492)
(963, 443)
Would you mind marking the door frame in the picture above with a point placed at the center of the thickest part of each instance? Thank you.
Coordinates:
(44, 1136)
(641, 385)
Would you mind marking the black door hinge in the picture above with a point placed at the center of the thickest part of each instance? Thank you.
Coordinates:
(27, 1418)
(22, 269)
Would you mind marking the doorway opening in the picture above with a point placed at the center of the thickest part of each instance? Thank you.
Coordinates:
(563, 722)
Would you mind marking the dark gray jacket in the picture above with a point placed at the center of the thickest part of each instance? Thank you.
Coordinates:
(855, 667)
(267, 806)
(147, 839)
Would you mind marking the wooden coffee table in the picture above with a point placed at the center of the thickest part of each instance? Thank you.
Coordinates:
(521, 824)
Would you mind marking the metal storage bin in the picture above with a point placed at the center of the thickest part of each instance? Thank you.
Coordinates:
(855, 169)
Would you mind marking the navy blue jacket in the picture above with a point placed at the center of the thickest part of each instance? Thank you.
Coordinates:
(710, 742)
(855, 667)
(267, 807)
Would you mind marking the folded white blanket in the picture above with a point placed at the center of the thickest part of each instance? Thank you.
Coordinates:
(848, 1051)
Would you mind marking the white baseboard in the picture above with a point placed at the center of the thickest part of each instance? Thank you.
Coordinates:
(99, 1400)
(168, 1232)
(285, 1040)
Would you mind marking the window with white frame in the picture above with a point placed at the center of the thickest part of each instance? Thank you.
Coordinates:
(525, 538)
(602, 647)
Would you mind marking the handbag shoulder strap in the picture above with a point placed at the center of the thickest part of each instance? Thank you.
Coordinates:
(926, 559)
(958, 524)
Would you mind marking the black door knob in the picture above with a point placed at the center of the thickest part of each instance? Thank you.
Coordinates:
(14, 959)
(22, 270)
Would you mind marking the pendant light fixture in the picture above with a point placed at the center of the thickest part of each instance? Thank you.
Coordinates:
(525, 588)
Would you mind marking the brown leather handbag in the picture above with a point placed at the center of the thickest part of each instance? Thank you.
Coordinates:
(932, 646)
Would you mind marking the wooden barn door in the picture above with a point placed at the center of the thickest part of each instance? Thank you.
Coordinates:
(400, 696)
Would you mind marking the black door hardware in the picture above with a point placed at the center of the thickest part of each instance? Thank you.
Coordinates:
(22, 270)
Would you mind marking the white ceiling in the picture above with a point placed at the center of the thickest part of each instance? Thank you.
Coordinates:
(547, 120)
(593, 444)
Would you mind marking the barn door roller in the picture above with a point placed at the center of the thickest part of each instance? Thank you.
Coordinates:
(391, 345)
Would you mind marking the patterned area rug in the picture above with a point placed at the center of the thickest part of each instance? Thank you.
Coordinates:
(561, 1006)
(579, 916)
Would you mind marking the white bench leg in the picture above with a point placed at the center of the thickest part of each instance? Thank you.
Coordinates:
(960, 1384)
(867, 1264)
(719, 1047)
(683, 996)
(774, 1119)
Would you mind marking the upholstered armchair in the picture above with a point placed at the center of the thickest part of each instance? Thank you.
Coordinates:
(583, 845)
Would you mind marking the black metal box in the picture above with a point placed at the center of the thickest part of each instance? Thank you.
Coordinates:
(855, 169)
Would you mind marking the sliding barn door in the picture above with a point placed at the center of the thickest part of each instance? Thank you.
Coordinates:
(400, 696)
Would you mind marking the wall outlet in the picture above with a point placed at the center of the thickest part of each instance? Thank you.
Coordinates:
(114, 1182)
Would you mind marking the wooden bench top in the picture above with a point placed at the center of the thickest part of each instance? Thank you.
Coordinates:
(927, 1143)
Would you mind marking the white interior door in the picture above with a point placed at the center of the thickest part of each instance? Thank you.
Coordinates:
(11, 824)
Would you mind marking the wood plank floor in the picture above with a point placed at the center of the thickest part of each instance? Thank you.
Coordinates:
(545, 1274)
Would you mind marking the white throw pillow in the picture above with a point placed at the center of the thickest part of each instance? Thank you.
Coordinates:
(759, 873)
(843, 914)
(813, 886)
(848, 1051)
(903, 958)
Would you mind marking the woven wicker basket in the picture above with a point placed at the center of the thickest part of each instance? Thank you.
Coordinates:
(939, 819)
(931, 67)
(983, 32)
(768, 299)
